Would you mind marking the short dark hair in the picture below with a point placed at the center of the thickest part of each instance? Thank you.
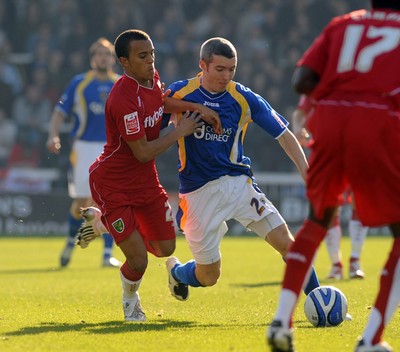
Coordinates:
(217, 46)
(385, 4)
(123, 40)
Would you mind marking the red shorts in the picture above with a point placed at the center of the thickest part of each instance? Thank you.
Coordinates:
(360, 147)
(124, 212)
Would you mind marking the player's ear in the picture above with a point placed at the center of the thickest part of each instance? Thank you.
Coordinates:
(123, 61)
(202, 65)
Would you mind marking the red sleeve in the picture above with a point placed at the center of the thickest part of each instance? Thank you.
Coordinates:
(317, 54)
(125, 111)
(130, 121)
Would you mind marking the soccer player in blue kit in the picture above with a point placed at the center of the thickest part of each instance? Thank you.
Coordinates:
(216, 180)
(84, 99)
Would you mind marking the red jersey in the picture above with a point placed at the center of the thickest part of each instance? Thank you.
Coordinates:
(132, 111)
(346, 51)
(356, 119)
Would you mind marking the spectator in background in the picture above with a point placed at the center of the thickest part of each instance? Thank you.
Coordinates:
(65, 15)
(11, 83)
(57, 75)
(31, 112)
(25, 152)
(84, 99)
(78, 38)
(30, 15)
(8, 133)
(42, 36)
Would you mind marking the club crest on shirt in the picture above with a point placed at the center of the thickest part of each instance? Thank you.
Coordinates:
(118, 225)
(131, 121)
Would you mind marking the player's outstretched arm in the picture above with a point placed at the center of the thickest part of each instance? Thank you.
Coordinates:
(145, 150)
(292, 148)
(208, 115)
(53, 142)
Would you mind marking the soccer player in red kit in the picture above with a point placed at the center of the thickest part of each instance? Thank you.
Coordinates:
(123, 180)
(357, 232)
(350, 70)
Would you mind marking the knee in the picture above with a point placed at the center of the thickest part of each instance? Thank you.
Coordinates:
(138, 264)
(284, 249)
(164, 249)
(281, 239)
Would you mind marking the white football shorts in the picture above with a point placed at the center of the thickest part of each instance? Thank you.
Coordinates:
(206, 210)
(83, 154)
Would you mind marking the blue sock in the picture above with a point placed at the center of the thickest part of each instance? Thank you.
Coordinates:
(185, 273)
(108, 244)
(74, 225)
(312, 283)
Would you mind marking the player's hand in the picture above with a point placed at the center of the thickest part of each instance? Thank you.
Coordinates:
(166, 93)
(211, 117)
(303, 137)
(189, 123)
(54, 145)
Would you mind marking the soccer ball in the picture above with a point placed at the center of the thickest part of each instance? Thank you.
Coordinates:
(325, 306)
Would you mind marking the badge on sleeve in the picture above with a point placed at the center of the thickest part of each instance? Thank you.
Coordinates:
(131, 121)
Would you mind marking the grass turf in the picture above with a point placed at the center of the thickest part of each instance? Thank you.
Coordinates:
(44, 308)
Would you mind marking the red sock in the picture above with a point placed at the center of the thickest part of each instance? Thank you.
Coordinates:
(129, 273)
(301, 254)
(386, 289)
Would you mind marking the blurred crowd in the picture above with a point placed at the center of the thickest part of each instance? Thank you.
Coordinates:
(44, 43)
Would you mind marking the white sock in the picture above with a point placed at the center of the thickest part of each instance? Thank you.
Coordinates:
(129, 288)
(357, 233)
(376, 319)
(332, 241)
(287, 302)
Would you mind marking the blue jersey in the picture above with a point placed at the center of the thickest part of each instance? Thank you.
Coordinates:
(84, 99)
(205, 156)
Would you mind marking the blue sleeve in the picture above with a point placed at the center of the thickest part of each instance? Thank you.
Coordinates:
(263, 114)
(66, 102)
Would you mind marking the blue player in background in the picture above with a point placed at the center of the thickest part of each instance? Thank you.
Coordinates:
(84, 99)
(216, 180)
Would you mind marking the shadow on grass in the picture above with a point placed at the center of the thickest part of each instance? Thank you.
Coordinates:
(257, 284)
(110, 327)
(53, 269)
(323, 282)
(30, 271)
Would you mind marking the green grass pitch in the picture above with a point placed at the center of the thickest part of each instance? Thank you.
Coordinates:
(44, 308)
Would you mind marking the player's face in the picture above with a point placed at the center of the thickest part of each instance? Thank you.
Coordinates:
(218, 73)
(140, 64)
(103, 59)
